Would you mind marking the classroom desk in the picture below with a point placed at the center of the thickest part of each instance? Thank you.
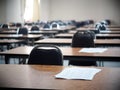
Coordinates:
(68, 41)
(42, 77)
(9, 42)
(108, 36)
(49, 33)
(101, 32)
(44, 32)
(8, 32)
(69, 53)
(29, 37)
(93, 28)
(98, 36)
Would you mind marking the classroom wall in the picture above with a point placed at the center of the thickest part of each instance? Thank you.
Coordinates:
(2, 11)
(97, 10)
(13, 11)
(45, 10)
(85, 9)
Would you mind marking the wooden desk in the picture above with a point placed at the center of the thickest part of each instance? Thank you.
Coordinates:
(28, 37)
(42, 77)
(49, 33)
(108, 36)
(68, 41)
(8, 32)
(101, 32)
(98, 36)
(45, 32)
(93, 28)
(112, 54)
(8, 42)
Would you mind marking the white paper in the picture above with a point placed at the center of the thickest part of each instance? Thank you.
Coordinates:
(105, 31)
(78, 73)
(93, 50)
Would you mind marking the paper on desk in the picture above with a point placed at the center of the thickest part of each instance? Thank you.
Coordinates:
(78, 73)
(93, 50)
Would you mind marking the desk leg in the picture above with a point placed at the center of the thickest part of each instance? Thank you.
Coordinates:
(7, 59)
(101, 63)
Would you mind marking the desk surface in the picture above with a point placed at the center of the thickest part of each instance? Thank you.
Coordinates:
(67, 41)
(19, 36)
(112, 53)
(101, 32)
(93, 28)
(98, 36)
(42, 77)
(2, 42)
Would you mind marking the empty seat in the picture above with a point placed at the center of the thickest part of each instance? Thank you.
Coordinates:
(46, 55)
(22, 30)
(83, 39)
(35, 28)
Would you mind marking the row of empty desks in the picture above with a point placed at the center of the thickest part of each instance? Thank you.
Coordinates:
(98, 36)
(101, 32)
(111, 54)
(9, 42)
(29, 37)
(68, 42)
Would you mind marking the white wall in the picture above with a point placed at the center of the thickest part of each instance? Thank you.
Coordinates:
(45, 10)
(85, 9)
(2, 11)
(14, 11)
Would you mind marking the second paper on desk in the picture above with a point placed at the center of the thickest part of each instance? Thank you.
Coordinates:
(78, 73)
(93, 50)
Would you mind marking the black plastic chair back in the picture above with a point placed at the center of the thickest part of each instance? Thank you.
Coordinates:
(5, 26)
(46, 55)
(35, 28)
(22, 30)
(46, 26)
(54, 25)
(83, 39)
(18, 25)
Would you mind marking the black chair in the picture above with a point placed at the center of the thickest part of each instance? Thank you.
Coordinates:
(83, 39)
(5, 26)
(46, 26)
(46, 55)
(35, 28)
(54, 25)
(22, 30)
(18, 24)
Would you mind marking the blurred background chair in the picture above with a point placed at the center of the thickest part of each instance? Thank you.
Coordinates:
(83, 39)
(46, 55)
(5, 26)
(18, 24)
(46, 26)
(22, 30)
(35, 28)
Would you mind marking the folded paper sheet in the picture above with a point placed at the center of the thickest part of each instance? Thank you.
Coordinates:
(93, 50)
(78, 73)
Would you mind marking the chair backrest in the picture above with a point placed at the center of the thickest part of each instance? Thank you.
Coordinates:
(46, 26)
(5, 26)
(83, 39)
(54, 25)
(18, 24)
(22, 30)
(46, 55)
(35, 28)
